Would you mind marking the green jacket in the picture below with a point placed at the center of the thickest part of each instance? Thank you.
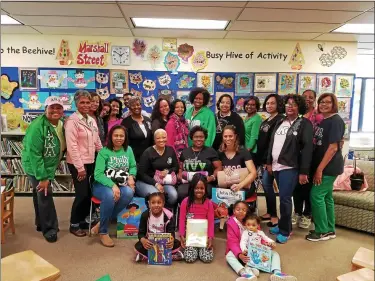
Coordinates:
(204, 118)
(252, 126)
(41, 149)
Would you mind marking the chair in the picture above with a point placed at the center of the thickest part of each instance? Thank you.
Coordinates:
(26, 266)
(93, 200)
(7, 213)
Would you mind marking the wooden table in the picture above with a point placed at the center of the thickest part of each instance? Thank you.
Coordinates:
(363, 274)
(363, 258)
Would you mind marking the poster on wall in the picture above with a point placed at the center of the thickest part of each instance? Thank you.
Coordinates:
(306, 82)
(265, 82)
(262, 98)
(206, 80)
(344, 107)
(28, 79)
(118, 81)
(244, 84)
(53, 79)
(171, 62)
(219, 94)
(136, 78)
(199, 61)
(64, 55)
(164, 80)
(325, 83)
(344, 85)
(92, 54)
(68, 100)
(239, 104)
(33, 100)
(186, 81)
(81, 79)
(169, 44)
(225, 82)
(287, 83)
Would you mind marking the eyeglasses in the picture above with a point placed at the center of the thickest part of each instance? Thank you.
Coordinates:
(291, 105)
(325, 102)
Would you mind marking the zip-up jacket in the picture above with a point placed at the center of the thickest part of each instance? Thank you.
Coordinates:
(169, 223)
(298, 147)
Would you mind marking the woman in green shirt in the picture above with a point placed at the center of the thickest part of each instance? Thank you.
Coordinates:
(111, 186)
(252, 123)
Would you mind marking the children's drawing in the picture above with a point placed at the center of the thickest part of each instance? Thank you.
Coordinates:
(184, 95)
(265, 82)
(224, 82)
(185, 81)
(28, 79)
(306, 82)
(169, 44)
(297, 59)
(119, 82)
(164, 80)
(206, 80)
(244, 84)
(81, 79)
(136, 92)
(344, 107)
(149, 85)
(13, 115)
(129, 218)
(68, 101)
(171, 62)
(239, 105)
(136, 78)
(102, 78)
(53, 79)
(344, 85)
(139, 47)
(199, 61)
(149, 101)
(287, 83)
(166, 94)
(103, 93)
(185, 51)
(7, 87)
(325, 84)
(329, 59)
(154, 56)
(64, 55)
(33, 100)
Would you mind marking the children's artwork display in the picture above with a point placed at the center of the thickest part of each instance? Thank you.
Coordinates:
(33, 100)
(265, 82)
(244, 84)
(185, 81)
(129, 218)
(325, 84)
(344, 107)
(7, 86)
(102, 77)
(239, 103)
(225, 82)
(185, 51)
(81, 79)
(206, 80)
(119, 82)
(53, 79)
(199, 61)
(287, 83)
(154, 56)
(344, 85)
(171, 62)
(184, 95)
(306, 82)
(139, 47)
(64, 55)
(159, 254)
(28, 79)
(169, 44)
(297, 59)
(68, 101)
(196, 233)
(13, 115)
(136, 78)
(260, 257)
(164, 80)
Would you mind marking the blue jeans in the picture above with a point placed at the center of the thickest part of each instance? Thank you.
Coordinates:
(267, 182)
(108, 207)
(286, 181)
(143, 189)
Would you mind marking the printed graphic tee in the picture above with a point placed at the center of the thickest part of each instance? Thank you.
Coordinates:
(194, 161)
(156, 224)
(278, 144)
(237, 162)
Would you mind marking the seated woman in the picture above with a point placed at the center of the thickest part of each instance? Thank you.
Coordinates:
(233, 157)
(197, 158)
(117, 190)
(158, 169)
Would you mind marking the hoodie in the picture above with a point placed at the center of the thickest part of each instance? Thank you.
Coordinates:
(169, 223)
(204, 118)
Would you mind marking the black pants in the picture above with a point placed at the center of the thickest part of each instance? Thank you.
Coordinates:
(81, 204)
(301, 198)
(45, 211)
(183, 191)
(140, 249)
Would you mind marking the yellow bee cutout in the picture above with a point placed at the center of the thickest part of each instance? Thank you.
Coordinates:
(7, 87)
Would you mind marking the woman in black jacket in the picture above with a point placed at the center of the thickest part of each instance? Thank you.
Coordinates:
(289, 159)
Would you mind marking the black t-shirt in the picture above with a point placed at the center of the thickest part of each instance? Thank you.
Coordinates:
(237, 162)
(235, 120)
(330, 130)
(194, 161)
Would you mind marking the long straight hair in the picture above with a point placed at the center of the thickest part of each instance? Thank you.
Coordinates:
(191, 196)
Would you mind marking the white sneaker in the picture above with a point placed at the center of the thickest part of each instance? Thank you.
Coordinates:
(305, 222)
(295, 218)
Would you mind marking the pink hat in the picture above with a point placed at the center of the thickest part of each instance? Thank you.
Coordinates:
(53, 100)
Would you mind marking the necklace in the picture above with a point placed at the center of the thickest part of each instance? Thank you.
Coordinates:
(160, 152)
(196, 155)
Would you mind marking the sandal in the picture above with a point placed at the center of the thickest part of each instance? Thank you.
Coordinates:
(95, 229)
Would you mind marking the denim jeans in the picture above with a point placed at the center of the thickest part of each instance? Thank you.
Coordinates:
(109, 209)
(286, 181)
(143, 189)
(267, 182)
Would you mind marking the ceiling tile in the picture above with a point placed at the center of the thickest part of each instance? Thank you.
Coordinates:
(332, 6)
(182, 33)
(365, 46)
(270, 35)
(62, 9)
(3, 12)
(85, 31)
(73, 21)
(367, 17)
(212, 3)
(346, 37)
(17, 29)
(281, 26)
(180, 12)
(288, 15)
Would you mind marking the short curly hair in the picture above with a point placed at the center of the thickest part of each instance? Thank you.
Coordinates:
(254, 98)
(299, 100)
(196, 91)
(198, 129)
(279, 102)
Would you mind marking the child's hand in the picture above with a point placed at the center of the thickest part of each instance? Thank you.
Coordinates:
(244, 252)
(272, 245)
(245, 259)
(183, 241)
(146, 243)
(209, 243)
(170, 243)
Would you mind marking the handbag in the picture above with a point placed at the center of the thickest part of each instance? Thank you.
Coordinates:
(356, 179)
(228, 177)
(168, 179)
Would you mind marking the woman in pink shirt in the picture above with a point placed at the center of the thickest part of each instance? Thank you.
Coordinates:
(114, 117)
(197, 206)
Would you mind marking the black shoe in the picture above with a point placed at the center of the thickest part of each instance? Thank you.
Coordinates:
(84, 225)
(77, 231)
(51, 236)
(270, 224)
(38, 228)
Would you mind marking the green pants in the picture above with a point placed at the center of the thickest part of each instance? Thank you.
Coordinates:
(322, 205)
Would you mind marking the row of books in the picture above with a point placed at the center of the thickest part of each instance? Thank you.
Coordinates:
(10, 147)
(22, 184)
(14, 166)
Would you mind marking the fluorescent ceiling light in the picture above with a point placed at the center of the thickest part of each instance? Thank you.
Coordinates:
(5, 19)
(356, 28)
(180, 23)
(365, 51)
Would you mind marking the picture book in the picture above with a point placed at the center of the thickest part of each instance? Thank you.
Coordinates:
(159, 254)
(260, 257)
(129, 218)
(196, 233)
(223, 198)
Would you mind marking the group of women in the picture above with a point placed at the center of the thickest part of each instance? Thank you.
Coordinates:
(162, 153)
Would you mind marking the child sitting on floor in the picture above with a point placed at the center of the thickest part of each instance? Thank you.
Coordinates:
(156, 219)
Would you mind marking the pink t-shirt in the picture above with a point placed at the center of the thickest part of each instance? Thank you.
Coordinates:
(112, 123)
(156, 224)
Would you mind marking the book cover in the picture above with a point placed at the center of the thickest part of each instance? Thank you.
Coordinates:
(223, 198)
(129, 218)
(196, 233)
(260, 257)
(159, 254)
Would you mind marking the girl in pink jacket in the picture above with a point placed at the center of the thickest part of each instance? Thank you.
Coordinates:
(238, 259)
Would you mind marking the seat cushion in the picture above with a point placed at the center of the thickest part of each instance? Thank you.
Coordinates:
(355, 199)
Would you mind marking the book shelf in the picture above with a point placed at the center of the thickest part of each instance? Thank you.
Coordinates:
(12, 173)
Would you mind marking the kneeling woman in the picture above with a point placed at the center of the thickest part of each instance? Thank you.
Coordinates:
(113, 193)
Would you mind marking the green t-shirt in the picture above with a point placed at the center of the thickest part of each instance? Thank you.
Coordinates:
(252, 126)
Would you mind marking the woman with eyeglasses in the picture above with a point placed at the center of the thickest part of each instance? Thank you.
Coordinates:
(252, 123)
(289, 159)
(327, 164)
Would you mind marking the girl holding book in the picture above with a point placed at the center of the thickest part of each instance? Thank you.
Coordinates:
(236, 258)
(197, 206)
